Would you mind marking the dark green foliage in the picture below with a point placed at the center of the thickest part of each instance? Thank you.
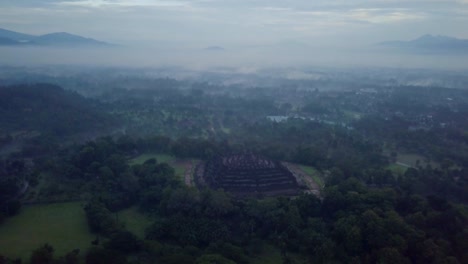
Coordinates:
(361, 216)
(98, 255)
(5, 260)
(159, 230)
(177, 259)
(49, 109)
(365, 214)
(12, 207)
(42, 255)
(13, 175)
(198, 231)
(216, 203)
(213, 259)
(124, 242)
(70, 258)
(161, 175)
(231, 252)
(100, 219)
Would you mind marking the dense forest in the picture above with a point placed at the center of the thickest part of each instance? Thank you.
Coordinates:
(390, 163)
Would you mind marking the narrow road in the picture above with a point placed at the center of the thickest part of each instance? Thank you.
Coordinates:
(303, 177)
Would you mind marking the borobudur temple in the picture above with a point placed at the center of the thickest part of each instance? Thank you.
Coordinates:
(247, 174)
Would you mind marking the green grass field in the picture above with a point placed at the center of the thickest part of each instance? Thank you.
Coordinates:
(135, 221)
(179, 170)
(62, 225)
(272, 255)
(352, 115)
(269, 255)
(226, 130)
(159, 158)
(396, 168)
(314, 174)
(411, 160)
(181, 167)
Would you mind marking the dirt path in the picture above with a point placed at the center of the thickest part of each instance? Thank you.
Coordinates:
(303, 178)
(198, 173)
(403, 164)
(188, 175)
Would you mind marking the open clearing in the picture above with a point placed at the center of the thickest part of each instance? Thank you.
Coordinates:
(135, 221)
(405, 160)
(352, 115)
(183, 167)
(270, 255)
(144, 157)
(397, 168)
(62, 225)
(411, 160)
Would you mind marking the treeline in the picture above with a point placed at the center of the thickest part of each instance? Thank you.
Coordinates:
(340, 156)
(13, 177)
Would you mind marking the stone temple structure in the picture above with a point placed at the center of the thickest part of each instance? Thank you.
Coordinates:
(247, 174)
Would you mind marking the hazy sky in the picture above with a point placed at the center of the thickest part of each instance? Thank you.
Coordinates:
(254, 33)
(200, 23)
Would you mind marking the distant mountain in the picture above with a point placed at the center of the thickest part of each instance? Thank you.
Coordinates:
(214, 48)
(12, 38)
(430, 43)
(16, 36)
(64, 38)
(7, 42)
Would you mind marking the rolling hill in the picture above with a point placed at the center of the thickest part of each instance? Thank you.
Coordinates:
(62, 39)
(429, 44)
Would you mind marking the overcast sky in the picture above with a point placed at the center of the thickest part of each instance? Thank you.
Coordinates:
(252, 32)
(239, 22)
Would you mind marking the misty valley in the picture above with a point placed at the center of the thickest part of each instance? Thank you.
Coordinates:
(228, 165)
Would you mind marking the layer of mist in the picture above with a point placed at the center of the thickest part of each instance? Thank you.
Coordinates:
(239, 57)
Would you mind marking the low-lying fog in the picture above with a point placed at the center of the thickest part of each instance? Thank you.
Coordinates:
(205, 57)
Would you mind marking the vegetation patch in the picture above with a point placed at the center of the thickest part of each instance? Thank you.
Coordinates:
(397, 168)
(134, 221)
(226, 130)
(415, 160)
(272, 255)
(351, 115)
(62, 225)
(159, 158)
(180, 165)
